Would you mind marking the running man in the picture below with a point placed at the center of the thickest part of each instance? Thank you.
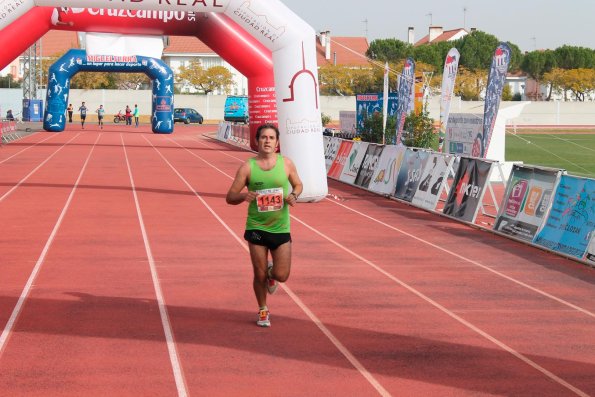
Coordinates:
(100, 113)
(268, 177)
(135, 113)
(83, 110)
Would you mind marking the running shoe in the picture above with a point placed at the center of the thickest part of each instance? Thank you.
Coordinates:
(263, 318)
(271, 282)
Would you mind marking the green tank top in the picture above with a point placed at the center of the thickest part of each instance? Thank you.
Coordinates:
(269, 212)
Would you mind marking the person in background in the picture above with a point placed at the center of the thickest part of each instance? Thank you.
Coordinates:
(128, 115)
(83, 110)
(100, 113)
(135, 113)
(9, 115)
(70, 110)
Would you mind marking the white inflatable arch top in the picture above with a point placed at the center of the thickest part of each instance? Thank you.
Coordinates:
(293, 46)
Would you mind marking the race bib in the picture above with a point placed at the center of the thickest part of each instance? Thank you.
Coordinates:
(269, 199)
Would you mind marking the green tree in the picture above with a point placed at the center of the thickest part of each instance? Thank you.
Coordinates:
(9, 82)
(372, 130)
(430, 55)
(580, 82)
(365, 80)
(554, 78)
(420, 130)
(129, 81)
(83, 80)
(205, 80)
(570, 57)
(347, 80)
(536, 63)
(389, 50)
(91, 80)
(470, 83)
(335, 80)
(507, 93)
(477, 50)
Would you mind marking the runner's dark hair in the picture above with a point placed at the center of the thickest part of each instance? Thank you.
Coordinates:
(264, 127)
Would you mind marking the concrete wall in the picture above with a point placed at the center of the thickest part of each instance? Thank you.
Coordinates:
(211, 106)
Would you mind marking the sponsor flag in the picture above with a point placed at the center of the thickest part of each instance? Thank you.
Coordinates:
(496, 80)
(404, 96)
(449, 75)
(384, 102)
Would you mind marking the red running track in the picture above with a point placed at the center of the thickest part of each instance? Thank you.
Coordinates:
(123, 273)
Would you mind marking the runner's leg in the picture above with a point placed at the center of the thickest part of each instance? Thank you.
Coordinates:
(258, 255)
(281, 262)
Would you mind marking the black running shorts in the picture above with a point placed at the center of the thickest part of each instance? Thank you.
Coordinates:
(270, 240)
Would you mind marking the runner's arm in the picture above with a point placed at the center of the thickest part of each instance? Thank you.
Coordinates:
(235, 195)
(295, 181)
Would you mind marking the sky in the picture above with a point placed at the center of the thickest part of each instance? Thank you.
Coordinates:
(530, 24)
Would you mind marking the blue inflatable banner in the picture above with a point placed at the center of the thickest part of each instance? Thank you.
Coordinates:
(571, 220)
(75, 61)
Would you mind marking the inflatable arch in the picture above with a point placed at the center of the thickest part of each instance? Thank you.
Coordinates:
(74, 61)
(263, 39)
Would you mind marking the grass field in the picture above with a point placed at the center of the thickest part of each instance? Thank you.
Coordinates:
(572, 152)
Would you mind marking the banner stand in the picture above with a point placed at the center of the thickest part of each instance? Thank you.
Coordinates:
(491, 182)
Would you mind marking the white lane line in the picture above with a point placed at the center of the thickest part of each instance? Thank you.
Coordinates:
(451, 314)
(461, 257)
(346, 353)
(427, 299)
(27, 289)
(35, 169)
(167, 329)
(25, 149)
(473, 262)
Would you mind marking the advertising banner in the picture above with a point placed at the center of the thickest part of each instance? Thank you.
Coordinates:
(354, 161)
(368, 104)
(384, 179)
(410, 173)
(496, 81)
(468, 189)
(369, 164)
(337, 166)
(526, 201)
(571, 219)
(449, 75)
(404, 94)
(330, 151)
(461, 133)
(326, 140)
(432, 182)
